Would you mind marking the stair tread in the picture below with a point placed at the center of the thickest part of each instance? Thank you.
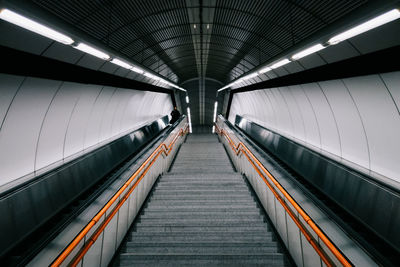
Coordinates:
(202, 213)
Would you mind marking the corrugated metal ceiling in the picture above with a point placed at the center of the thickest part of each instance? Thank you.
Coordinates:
(159, 34)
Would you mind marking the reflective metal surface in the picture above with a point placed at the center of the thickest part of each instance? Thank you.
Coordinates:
(373, 204)
(25, 208)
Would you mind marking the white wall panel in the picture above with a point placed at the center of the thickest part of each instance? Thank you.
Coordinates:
(96, 115)
(295, 114)
(55, 124)
(74, 138)
(352, 135)
(310, 122)
(357, 119)
(48, 121)
(392, 83)
(330, 140)
(20, 131)
(8, 88)
(132, 109)
(107, 120)
(381, 121)
(125, 96)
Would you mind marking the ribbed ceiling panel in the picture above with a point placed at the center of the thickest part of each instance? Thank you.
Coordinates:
(242, 34)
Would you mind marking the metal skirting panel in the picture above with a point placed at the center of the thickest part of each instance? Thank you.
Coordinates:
(27, 207)
(375, 205)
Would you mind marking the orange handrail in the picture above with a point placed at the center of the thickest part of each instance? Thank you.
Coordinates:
(240, 147)
(162, 148)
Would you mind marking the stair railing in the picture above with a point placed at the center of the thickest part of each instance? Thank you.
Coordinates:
(241, 156)
(156, 164)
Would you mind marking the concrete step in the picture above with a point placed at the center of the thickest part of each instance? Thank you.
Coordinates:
(227, 191)
(197, 183)
(199, 228)
(270, 259)
(202, 176)
(200, 208)
(248, 236)
(196, 215)
(137, 249)
(210, 221)
(197, 197)
(201, 201)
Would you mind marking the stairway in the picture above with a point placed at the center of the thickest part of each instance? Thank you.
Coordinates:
(201, 213)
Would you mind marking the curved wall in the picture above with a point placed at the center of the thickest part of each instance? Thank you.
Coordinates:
(356, 119)
(43, 122)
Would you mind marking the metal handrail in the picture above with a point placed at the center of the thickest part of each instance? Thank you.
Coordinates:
(241, 148)
(161, 149)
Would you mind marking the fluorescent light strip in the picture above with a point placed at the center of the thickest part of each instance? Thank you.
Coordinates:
(34, 26)
(366, 26)
(189, 119)
(93, 51)
(38, 28)
(280, 63)
(247, 77)
(215, 111)
(308, 51)
(264, 70)
(121, 63)
(137, 70)
(187, 99)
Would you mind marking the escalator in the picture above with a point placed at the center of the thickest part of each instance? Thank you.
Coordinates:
(201, 213)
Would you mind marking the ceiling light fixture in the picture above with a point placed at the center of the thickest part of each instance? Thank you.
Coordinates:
(247, 77)
(137, 70)
(280, 63)
(34, 26)
(366, 26)
(93, 51)
(187, 99)
(308, 51)
(264, 70)
(121, 63)
(189, 120)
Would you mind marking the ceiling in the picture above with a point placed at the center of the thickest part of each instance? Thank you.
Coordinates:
(193, 42)
(185, 39)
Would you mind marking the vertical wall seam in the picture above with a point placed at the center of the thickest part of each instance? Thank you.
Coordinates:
(362, 123)
(315, 116)
(69, 122)
(90, 115)
(300, 112)
(103, 115)
(287, 107)
(41, 125)
(267, 91)
(11, 102)
(334, 118)
(390, 93)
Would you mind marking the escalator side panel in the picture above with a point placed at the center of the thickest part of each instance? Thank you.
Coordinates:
(372, 203)
(27, 207)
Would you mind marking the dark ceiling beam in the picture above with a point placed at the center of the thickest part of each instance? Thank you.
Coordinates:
(162, 29)
(218, 50)
(237, 51)
(217, 66)
(151, 14)
(249, 43)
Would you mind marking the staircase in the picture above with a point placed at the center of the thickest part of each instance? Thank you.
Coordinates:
(202, 213)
